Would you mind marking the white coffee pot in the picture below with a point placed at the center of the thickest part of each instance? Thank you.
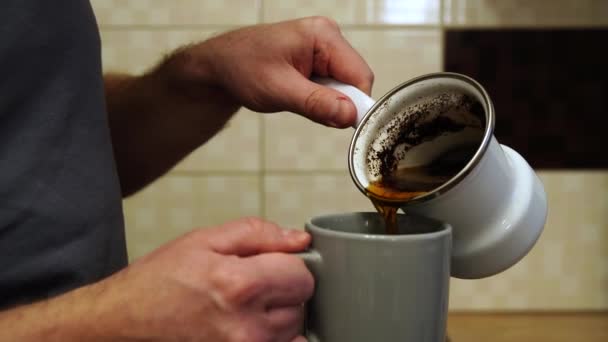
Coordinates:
(496, 204)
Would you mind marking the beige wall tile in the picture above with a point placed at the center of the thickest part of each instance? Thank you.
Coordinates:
(567, 269)
(419, 12)
(291, 200)
(396, 55)
(530, 13)
(136, 51)
(176, 204)
(235, 148)
(294, 143)
(176, 12)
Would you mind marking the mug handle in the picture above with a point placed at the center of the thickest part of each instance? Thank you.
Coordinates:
(362, 102)
(313, 260)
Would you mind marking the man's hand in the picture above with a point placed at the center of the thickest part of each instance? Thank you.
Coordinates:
(230, 283)
(266, 67)
(158, 118)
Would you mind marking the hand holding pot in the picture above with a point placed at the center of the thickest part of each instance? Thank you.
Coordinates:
(267, 68)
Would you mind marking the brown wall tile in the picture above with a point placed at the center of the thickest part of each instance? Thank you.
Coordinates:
(549, 88)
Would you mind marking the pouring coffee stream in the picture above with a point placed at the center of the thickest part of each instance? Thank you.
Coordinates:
(407, 183)
(429, 118)
(427, 147)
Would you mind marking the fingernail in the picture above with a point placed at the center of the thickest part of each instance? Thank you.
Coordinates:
(336, 108)
(295, 234)
(340, 109)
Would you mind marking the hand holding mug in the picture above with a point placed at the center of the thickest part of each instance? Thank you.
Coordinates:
(235, 282)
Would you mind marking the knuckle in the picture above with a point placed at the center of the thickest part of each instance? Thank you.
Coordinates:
(324, 22)
(242, 291)
(294, 262)
(302, 275)
(308, 281)
(371, 77)
(245, 333)
(239, 334)
(198, 234)
(318, 24)
(254, 222)
(313, 101)
(234, 288)
(283, 261)
(257, 226)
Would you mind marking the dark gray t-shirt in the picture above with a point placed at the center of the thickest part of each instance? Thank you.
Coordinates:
(61, 223)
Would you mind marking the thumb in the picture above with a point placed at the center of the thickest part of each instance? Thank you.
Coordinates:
(251, 236)
(318, 103)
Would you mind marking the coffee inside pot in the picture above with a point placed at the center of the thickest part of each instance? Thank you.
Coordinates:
(422, 147)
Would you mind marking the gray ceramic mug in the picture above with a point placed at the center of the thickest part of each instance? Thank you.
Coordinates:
(375, 287)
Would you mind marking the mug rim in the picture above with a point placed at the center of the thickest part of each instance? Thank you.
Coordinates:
(444, 229)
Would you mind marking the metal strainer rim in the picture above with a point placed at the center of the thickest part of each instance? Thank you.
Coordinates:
(488, 134)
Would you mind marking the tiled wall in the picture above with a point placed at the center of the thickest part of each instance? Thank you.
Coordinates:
(288, 169)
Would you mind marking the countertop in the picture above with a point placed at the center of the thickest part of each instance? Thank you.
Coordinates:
(528, 327)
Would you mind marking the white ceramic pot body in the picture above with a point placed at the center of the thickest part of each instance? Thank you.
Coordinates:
(496, 205)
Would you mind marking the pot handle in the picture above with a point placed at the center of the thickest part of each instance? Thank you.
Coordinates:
(362, 102)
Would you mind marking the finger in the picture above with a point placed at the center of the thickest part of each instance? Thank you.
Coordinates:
(286, 321)
(336, 58)
(251, 236)
(346, 65)
(286, 280)
(314, 101)
(300, 339)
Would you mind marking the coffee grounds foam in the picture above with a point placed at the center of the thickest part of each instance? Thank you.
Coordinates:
(428, 118)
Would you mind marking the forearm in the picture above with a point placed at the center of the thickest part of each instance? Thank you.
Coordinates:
(158, 118)
(73, 316)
